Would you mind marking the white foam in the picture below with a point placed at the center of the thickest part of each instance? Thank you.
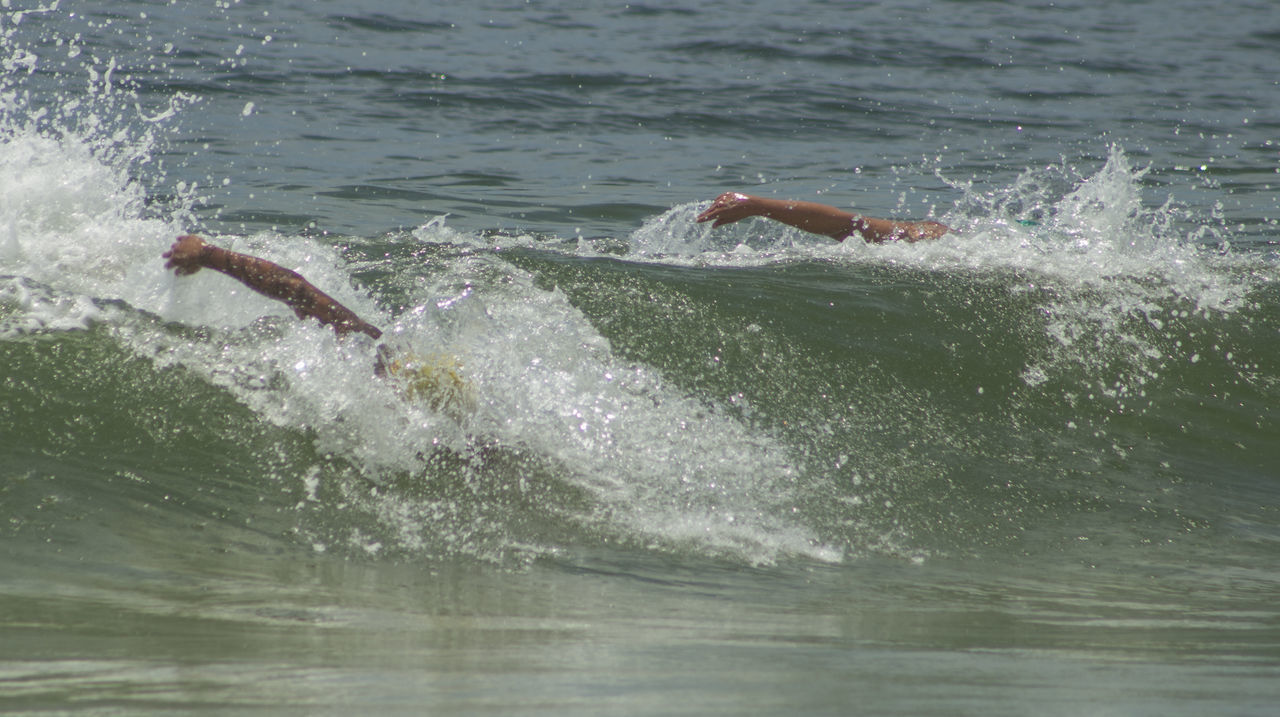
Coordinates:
(73, 222)
(29, 308)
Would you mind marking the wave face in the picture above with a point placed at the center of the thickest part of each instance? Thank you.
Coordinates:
(743, 392)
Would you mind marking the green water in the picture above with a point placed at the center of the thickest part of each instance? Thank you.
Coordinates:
(999, 545)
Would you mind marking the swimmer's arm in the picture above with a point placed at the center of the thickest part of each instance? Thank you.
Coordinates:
(190, 253)
(817, 219)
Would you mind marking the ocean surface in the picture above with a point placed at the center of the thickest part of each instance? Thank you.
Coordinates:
(1031, 468)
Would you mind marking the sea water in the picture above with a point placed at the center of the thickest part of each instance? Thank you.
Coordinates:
(1029, 468)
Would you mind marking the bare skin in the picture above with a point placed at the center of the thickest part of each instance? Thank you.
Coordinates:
(190, 254)
(817, 219)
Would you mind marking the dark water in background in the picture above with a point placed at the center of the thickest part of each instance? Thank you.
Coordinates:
(1028, 469)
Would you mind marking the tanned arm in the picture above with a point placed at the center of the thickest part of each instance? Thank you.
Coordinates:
(817, 218)
(190, 253)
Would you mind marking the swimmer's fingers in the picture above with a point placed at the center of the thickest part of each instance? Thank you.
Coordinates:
(727, 208)
(184, 256)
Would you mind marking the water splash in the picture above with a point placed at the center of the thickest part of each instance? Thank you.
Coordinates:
(606, 446)
(1112, 271)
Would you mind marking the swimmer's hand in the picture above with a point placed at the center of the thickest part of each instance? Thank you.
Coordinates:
(186, 255)
(729, 208)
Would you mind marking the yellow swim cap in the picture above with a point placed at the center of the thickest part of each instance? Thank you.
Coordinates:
(436, 379)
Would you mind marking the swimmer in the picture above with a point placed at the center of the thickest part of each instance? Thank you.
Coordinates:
(435, 378)
(818, 219)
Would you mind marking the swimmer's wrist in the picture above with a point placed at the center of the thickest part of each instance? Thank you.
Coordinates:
(768, 207)
(211, 256)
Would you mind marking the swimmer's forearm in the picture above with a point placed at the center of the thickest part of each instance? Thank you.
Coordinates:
(810, 216)
(816, 218)
(277, 282)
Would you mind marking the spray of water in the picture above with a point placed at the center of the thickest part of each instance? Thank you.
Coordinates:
(605, 444)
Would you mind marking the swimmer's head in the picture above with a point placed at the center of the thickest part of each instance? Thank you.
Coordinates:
(435, 379)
